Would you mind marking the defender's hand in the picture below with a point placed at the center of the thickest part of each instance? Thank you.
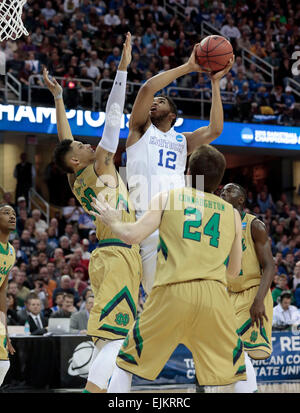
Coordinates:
(126, 53)
(52, 85)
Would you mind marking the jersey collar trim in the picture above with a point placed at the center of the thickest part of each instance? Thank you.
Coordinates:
(79, 172)
(2, 250)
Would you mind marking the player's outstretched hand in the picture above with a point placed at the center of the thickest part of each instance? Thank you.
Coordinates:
(126, 53)
(192, 62)
(221, 73)
(102, 210)
(52, 85)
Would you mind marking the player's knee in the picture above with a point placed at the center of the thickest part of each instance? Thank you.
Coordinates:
(103, 365)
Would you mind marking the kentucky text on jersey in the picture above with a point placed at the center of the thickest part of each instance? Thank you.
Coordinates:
(163, 143)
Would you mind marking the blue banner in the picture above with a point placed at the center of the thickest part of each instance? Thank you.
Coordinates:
(283, 365)
(86, 123)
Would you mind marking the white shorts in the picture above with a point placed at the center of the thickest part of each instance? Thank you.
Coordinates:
(149, 256)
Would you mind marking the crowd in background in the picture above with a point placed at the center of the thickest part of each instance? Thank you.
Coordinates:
(82, 39)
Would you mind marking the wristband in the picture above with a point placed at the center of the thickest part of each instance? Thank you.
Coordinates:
(59, 96)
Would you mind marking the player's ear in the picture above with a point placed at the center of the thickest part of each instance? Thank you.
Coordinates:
(172, 116)
(74, 161)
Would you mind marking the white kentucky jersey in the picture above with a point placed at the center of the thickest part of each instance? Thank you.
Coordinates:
(155, 163)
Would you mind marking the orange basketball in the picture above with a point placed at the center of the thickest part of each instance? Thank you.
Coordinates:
(213, 53)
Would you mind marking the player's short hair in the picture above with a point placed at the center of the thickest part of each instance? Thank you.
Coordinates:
(208, 161)
(172, 106)
(60, 152)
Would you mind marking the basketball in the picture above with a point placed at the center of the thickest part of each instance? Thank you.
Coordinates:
(213, 53)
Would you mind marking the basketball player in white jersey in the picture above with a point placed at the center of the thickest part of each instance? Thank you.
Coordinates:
(157, 154)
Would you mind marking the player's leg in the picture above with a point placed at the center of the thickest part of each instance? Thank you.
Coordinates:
(120, 381)
(153, 338)
(216, 347)
(249, 385)
(149, 258)
(103, 365)
(257, 340)
(114, 309)
(4, 360)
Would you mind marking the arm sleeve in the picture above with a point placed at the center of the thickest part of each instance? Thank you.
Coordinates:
(114, 111)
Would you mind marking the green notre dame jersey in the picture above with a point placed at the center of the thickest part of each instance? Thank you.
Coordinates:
(88, 184)
(196, 234)
(7, 260)
(250, 274)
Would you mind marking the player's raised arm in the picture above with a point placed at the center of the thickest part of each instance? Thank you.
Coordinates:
(108, 145)
(135, 232)
(207, 134)
(140, 117)
(235, 256)
(63, 127)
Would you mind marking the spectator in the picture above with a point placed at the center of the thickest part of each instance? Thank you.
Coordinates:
(24, 173)
(37, 322)
(57, 305)
(7, 199)
(77, 282)
(40, 224)
(49, 284)
(111, 19)
(244, 102)
(114, 57)
(53, 241)
(92, 240)
(285, 314)
(79, 320)
(70, 6)
(297, 295)
(40, 291)
(280, 287)
(20, 255)
(264, 201)
(295, 279)
(12, 315)
(85, 224)
(48, 12)
(86, 293)
(65, 287)
(230, 31)
(67, 308)
(64, 243)
(22, 291)
(86, 255)
(282, 244)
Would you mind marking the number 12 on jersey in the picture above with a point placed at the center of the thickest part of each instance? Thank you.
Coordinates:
(169, 160)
